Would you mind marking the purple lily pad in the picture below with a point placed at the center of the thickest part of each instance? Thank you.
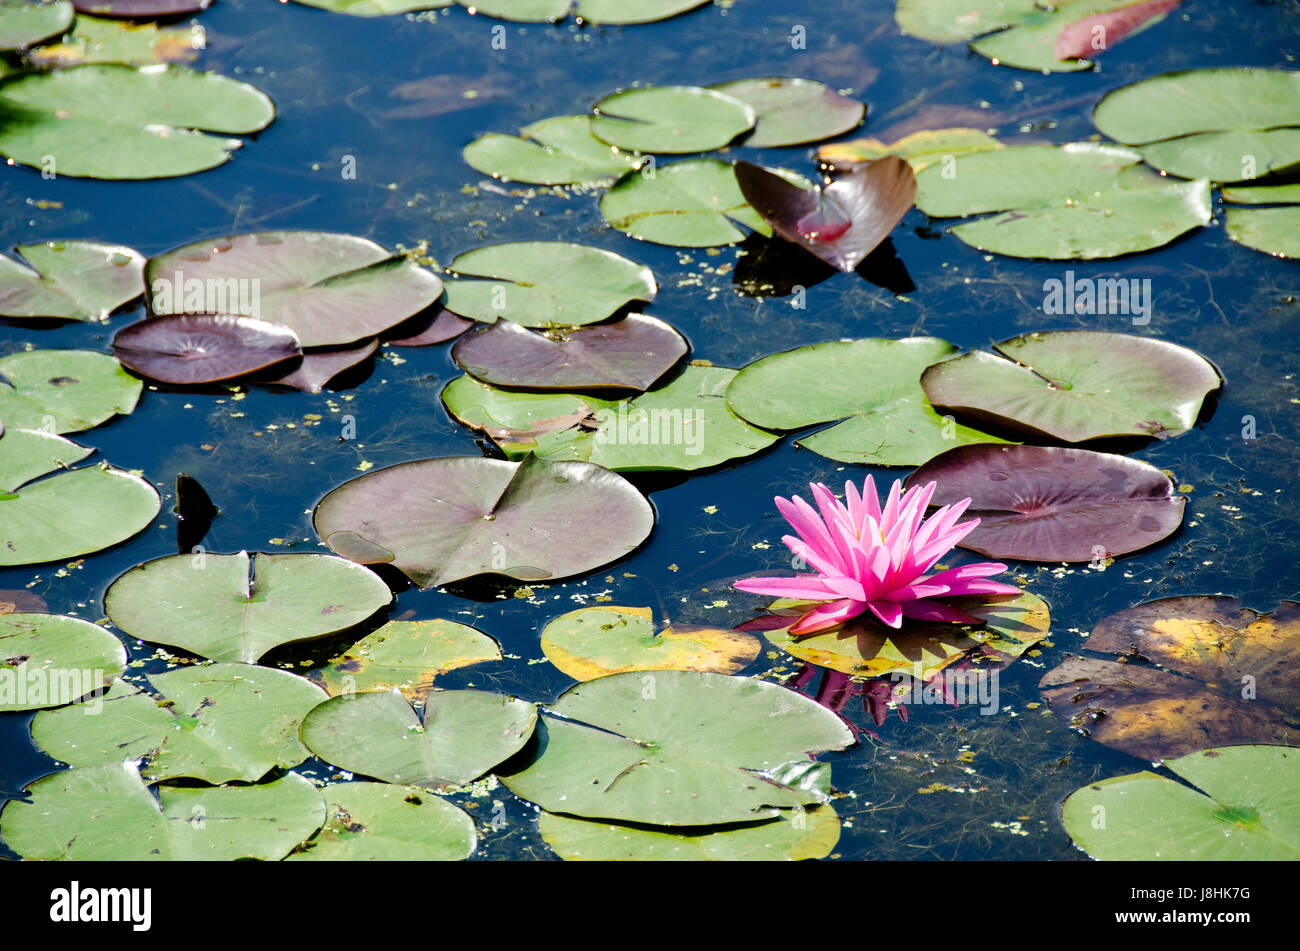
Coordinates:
(629, 354)
(140, 9)
(202, 348)
(438, 329)
(844, 221)
(319, 367)
(443, 520)
(1051, 503)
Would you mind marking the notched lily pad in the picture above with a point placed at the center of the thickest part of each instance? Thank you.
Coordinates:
(695, 203)
(558, 151)
(793, 111)
(382, 822)
(671, 119)
(203, 348)
(64, 391)
(48, 660)
(69, 280)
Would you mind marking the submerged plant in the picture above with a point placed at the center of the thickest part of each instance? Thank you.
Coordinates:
(870, 558)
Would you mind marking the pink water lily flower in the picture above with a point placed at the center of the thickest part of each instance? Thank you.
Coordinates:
(875, 559)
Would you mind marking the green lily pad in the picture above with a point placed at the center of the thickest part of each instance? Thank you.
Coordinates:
(1078, 384)
(1077, 201)
(370, 822)
(23, 23)
(461, 735)
(111, 121)
(375, 8)
(1274, 231)
(545, 283)
(887, 420)
(596, 641)
(406, 655)
(64, 391)
(211, 605)
(1242, 804)
(671, 119)
(214, 722)
(919, 149)
(107, 813)
(558, 151)
(950, 21)
(806, 834)
(1227, 125)
(73, 512)
(683, 424)
(694, 204)
(793, 111)
(48, 660)
(72, 280)
(97, 40)
(675, 748)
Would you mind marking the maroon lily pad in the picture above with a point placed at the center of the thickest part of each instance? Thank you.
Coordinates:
(437, 329)
(443, 520)
(1084, 39)
(629, 354)
(1051, 503)
(140, 9)
(844, 221)
(320, 366)
(202, 348)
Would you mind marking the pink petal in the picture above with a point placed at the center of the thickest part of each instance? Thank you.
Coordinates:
(828, 615)
(808, 587)
(889, 612)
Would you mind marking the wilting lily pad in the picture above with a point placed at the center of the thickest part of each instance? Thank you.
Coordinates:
(841, 223)
(23, 23)
(380, 822)
(1078, 384)
(95, 40)
(1077, 201)
(627, 354)
(803, 834)
(447, 519)
(592, 642)
(217, 722)
(329, 289)
(793, 111)
(675, 748)
(47, 660)
(1228, 125)
(461, 735)
(406, 655)
(64, 391)
(1049, 503)
(317, 367)
(920, 148)
(671, 119)
(214, 606)
(558, 151)
(202, 348)
(1243, 803)
(875, 383)
(682, 424)
(1221, 674)
(695, 204)
(1274, 231)
(73, 512)
(72, 280)
(107, 813)
(545, 283)
(105, 120)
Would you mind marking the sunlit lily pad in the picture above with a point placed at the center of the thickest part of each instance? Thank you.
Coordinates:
(558, 151)
(143, 9)
(23, 23)
(329, 289)
(376, 8)
(1274, 231)
(107, 813)
(1050, 503)
(545, 283)
(695, 203)
(447, 519)
(72, 512)
(460, 736)
(793, 111)
(95, 40)
(675, 748)
(72, 280)
(671, 119)
(804, 834)
(1239, 803)
(216, 607)
(887, 420)
(1184, 672)
(64, 391)
(371, 822)
(1228, 124)
(202, 348)
(47, 660)
(950, 21)
(681, 424)
(1078, 384)
(218, 723)
(105, 120)
(627, 354)
(437, 328)
(920, 149)
(612, 12)
(406, 655)
(592, 642)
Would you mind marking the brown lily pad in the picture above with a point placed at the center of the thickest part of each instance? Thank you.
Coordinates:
(202, 348)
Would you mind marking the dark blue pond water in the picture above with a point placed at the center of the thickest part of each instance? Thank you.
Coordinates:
(341, 86)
